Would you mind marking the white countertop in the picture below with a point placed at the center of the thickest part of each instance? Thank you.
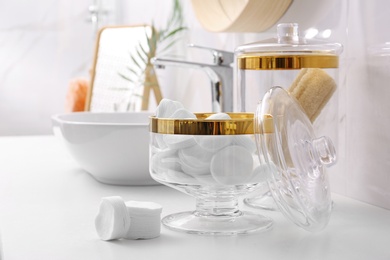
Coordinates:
(48, 206)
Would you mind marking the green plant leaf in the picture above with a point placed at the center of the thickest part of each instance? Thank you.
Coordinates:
(136, 62)
(166, 47)
(142, 56)
(143, 50)
(120, 89)
(154, 39)
(176, 17)
(125, 77)
(133, 71)
(173, 33)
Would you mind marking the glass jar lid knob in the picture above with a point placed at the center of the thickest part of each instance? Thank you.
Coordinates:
(311, 154)
(325, 150)
(288, 33)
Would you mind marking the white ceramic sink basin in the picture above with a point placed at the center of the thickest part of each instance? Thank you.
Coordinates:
(112, 147)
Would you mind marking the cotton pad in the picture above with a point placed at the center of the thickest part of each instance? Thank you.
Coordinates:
(183, 113)
(113, 220)
(145, 219)
(159, 142)
(196, 155)
(131, 220)
(179, 141)
(193, 170)
(213, 143)
(221, 116)
(178, 177)
(164, 160)
(167, 107)
(232, 165)
(246, 142)
(166, 164)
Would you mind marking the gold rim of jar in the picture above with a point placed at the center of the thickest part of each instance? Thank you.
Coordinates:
(239, 124)
(274, 62)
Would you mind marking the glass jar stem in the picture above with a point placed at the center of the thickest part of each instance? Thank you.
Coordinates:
(218, 207)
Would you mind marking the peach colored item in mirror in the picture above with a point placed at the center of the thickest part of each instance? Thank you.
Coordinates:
(77, 95)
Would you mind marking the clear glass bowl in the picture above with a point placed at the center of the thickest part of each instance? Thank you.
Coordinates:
(216, 162)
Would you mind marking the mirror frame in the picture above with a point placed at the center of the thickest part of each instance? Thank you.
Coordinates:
(95, 60)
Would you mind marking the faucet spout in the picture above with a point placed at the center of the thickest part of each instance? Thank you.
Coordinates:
(221, 78)
(162, 62)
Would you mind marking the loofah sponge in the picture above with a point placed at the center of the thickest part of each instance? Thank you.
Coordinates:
(313, 88)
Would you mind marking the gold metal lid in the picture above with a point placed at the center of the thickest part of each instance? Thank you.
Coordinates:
(286, 62)
(239, 124)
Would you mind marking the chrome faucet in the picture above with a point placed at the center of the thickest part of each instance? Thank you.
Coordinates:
(220, 74)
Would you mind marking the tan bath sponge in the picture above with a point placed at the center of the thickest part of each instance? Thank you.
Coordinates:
(313, 88)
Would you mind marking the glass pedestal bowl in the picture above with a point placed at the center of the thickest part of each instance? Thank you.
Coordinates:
(215, 161)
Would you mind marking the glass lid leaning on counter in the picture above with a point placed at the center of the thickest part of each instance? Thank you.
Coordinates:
(296, 158)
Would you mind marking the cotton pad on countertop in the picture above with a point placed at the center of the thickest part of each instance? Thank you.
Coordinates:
(112, 220)
(130, 220)
(144, 218)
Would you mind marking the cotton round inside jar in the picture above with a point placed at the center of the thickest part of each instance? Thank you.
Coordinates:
(232, 165)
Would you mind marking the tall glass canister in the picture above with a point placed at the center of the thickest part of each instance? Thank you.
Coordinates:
(307, 68)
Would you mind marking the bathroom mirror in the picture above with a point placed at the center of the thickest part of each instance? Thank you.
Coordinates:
(119, 68)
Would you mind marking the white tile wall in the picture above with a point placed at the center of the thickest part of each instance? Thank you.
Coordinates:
(44, 44)
(367, 175)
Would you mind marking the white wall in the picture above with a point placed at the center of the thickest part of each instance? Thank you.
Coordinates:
(44, 44)
(367, 174)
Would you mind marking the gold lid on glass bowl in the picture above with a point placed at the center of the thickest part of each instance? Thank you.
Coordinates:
(239, 124)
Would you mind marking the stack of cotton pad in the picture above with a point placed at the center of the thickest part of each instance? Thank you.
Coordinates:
(131, 220)
(144, 220)
(206, 159)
